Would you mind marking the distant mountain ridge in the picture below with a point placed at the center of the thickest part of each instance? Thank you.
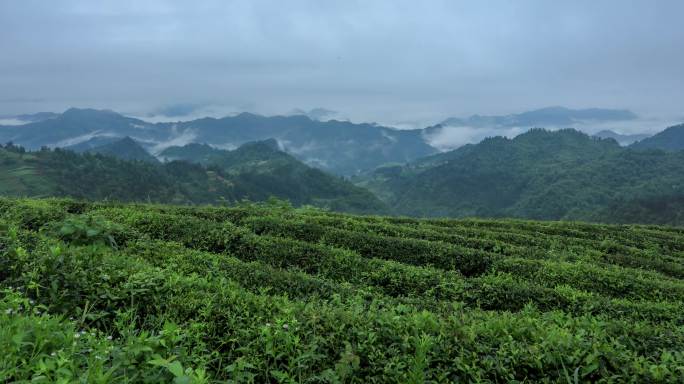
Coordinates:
(623, 140)
(545, 117)
(337, 146)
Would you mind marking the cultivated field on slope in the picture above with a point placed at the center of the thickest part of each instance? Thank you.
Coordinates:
(107, 292)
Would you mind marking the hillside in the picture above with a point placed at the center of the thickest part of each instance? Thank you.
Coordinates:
(125, 149)
(671, 139)
(337, 146)
(260, 170)
(539, 175)
(95, 176)
(267, 293)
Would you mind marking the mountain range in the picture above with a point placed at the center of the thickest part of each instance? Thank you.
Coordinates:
(337, 146)
(545, 117)
(340, 147)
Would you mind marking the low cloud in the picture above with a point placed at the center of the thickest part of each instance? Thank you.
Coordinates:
(83, 138)
(178, 140)
(321, 114)
(451, 137)
(187, 112)
(12, 121)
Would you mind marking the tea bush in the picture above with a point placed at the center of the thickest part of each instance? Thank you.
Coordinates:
(108, 292)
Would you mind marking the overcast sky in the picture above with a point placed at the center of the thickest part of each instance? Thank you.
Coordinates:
(395, 62)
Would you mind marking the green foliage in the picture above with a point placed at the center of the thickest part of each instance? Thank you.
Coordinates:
(125, 149)
(85, 231)
(541, 175)
(256, 172)
(42, 348)
(259, 170)
(271, 293)
(671, 139)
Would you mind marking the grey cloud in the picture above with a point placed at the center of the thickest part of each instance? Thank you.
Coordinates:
(386, 61)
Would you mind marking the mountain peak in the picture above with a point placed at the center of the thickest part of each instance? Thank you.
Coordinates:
(126, 149)
(128, 141)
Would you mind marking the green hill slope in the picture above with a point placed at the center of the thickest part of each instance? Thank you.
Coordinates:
(125, 149)
(96, 177)
(267, 293)
(260, 170)
(671, 139)
(540, 175)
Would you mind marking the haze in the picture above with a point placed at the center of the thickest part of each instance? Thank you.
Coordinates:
(402, 63)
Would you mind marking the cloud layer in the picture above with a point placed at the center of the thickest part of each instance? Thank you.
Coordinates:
(385, 61)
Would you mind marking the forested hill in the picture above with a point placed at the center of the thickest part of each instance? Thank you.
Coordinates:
(96, 177)
(125, 149)
(260, 169)
(671, 139)
(256, 155)
(540, 175)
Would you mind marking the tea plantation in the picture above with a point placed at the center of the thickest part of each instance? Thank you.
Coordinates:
(254, 293)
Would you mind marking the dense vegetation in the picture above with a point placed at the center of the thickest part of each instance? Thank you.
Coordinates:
(671, 139)
(90, 176)
(261, 170)
(539, 175)
(104, 292)
(125, 149)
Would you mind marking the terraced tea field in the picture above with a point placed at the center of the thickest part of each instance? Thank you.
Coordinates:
(105, 292)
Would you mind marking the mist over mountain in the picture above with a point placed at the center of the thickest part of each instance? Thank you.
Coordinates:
(315, 113)
(456, 131)
(337, 146)
(545, 117)
(623, 140)
(340, 147)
